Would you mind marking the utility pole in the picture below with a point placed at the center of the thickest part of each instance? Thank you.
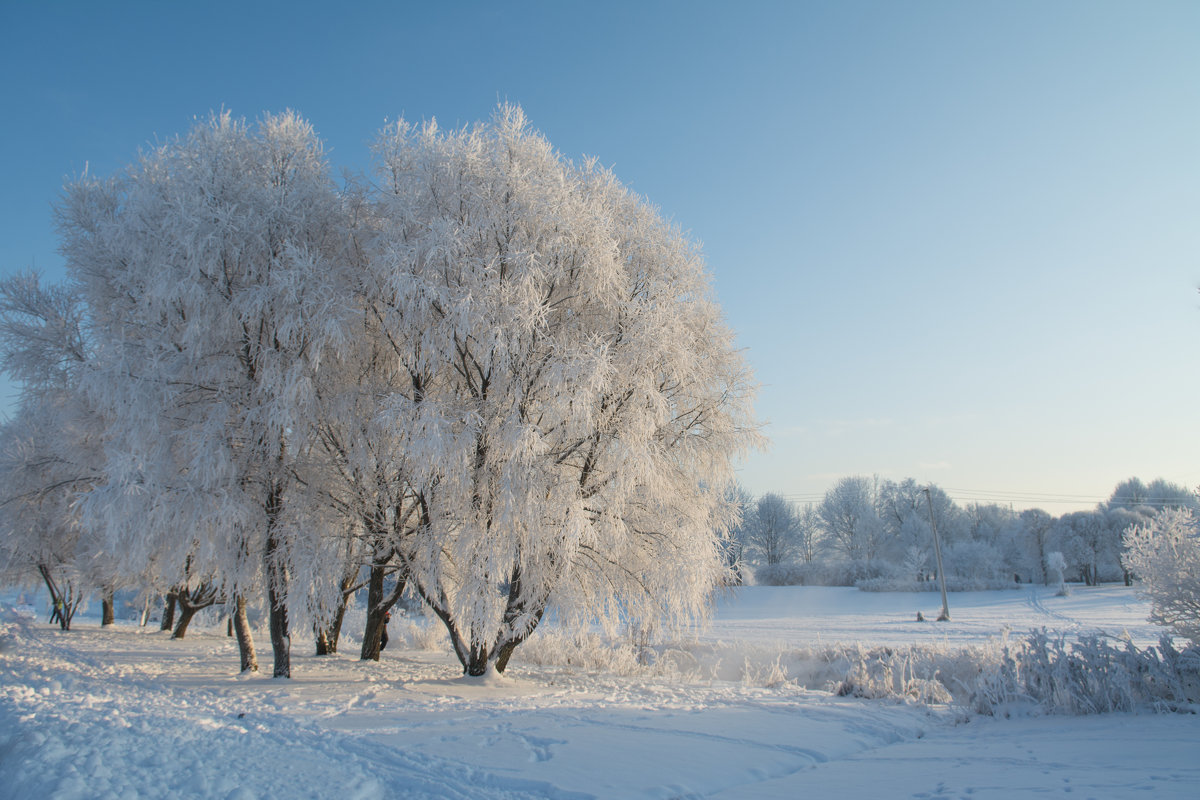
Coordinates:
(937, 551)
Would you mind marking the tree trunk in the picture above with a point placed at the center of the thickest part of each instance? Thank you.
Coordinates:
(516, 609)
(281, 640)
(373, 632)
(277, 587)
(191, 601)
(241, 625)
(186, 612)
(474, 661)
(334, 632)
(107, 613)
(61, 610)
(168, 616)
(327, 638)
(504, 654)
(477, 664)
(277, 613)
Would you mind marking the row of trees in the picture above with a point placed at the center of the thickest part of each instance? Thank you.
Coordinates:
(871, 530)
(488, 375)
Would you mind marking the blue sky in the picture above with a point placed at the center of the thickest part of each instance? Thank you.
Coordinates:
(959, 241)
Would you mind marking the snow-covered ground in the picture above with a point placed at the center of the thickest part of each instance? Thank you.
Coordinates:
(128, 713)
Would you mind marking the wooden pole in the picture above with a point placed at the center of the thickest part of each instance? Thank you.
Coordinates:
(937, 550)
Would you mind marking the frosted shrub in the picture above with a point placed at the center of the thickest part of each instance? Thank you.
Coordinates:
(1055, 566)
(586, 651)
(884, 672)
(1088, 677)
(1039, 674)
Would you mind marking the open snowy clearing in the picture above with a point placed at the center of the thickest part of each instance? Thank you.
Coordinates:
(128, 713)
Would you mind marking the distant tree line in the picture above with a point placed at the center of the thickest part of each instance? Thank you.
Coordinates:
(876, 534)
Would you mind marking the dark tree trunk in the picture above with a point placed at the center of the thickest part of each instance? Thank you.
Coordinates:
(504, 654)
(62, 602)
(107, 612)
(334, 634)
(477, 664)
(327, 638)
(281, 640)
(515, 609)
(168, 615)
(505, 650)
(192, 601)
(185, 617)
(241, 626)
(373, 631)
(379, 604)
(277, 587)
(472, 655)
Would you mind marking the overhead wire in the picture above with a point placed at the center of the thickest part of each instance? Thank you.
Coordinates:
(1007, 496)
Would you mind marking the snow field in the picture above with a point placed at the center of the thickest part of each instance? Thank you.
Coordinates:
(128, 713)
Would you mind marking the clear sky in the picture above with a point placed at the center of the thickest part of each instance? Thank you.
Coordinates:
(960, 242)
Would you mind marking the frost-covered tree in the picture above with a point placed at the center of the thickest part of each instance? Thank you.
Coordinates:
(904, 511)
(1056, 565)
(1120, 520)
(211, 272)
(808, 534)
(853, 528)
(1085, 540)
(735, 546)
(1164, 553)
(574, 397)
(1147, 498)
(773, 529)
(1034, 543)
(50, 451)
(362, 453)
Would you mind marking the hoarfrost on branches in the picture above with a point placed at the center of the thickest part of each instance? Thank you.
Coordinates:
(1165, 554)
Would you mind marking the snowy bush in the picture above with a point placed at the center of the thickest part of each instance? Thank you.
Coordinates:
(1047, 674)
(1165, 554)
(884, 672)
(1056, 564)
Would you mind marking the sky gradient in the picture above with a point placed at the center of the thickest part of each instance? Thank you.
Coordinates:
(960, 242)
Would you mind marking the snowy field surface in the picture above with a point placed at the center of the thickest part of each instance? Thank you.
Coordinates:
(126, 712)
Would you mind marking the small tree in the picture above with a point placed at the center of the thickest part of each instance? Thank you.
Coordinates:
(50, 450)
(1056, 564)
(1165, 554)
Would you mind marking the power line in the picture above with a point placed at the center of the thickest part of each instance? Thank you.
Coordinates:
(1008, 496)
